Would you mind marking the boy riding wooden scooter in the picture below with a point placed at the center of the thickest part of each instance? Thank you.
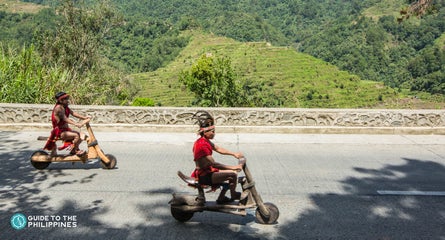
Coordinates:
(71, 139)
(210, 173)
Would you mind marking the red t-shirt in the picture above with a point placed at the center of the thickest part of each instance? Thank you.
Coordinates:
(202, 147)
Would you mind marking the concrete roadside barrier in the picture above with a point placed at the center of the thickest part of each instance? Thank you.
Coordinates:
(17, 117)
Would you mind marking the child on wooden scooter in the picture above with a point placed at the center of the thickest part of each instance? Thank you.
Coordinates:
(208, 171)
(61, 130)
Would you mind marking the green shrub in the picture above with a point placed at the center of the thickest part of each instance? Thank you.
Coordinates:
(143, 102)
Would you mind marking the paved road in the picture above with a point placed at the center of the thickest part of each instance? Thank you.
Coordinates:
(326, 187)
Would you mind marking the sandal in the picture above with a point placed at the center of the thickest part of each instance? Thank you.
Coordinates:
(224, 200)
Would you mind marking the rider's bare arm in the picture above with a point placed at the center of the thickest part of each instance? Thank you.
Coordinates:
(210, 160)
(70, 121)
(77, 115)
(224, 151)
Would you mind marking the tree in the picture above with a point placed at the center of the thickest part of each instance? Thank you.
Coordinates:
(79, 37)
(212, 80)
(76, 46)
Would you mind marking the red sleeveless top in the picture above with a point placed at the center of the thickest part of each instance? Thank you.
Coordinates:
(57, 129)
(62, 122)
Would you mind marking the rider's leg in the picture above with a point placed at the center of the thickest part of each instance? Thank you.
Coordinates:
(74, 136)
(226, 175)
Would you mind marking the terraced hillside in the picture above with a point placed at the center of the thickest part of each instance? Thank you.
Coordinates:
(301, 80)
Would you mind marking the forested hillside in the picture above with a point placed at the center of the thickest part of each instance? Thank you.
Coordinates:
(363, 37)
(267, 76)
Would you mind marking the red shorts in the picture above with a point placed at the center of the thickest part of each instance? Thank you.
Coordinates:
(204, 176)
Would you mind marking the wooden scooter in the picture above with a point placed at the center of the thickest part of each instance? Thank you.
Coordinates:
(183, 206)
(41, 159)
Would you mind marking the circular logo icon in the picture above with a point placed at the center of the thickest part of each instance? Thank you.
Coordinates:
(18, 221)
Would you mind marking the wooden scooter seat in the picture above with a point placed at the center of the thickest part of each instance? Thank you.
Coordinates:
(195, 184)
(193, 201)
(66, 144)
(189, 180)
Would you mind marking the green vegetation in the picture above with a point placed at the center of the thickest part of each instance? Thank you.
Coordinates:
(356, 53)
(143, 102)
(24, 79)
(270, 77)
(19, 6)
(384, 8)
(68, 58)
(212, 80)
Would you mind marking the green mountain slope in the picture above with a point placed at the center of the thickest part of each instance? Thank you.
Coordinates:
(298, 79)
(385, 8)
(14, 6)
(359, 37)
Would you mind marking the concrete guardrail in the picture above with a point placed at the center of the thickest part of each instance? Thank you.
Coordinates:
(17, 117)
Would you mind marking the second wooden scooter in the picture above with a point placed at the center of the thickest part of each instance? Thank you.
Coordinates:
(41, 159)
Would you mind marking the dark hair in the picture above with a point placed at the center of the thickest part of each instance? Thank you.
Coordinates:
(203, 119)
(59, 94)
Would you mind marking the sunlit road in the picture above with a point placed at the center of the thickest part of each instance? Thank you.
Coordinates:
(325, 186)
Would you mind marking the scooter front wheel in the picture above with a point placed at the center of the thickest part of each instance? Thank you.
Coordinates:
(274, 213)
(180, 215)
(111, 164)
(39, 165)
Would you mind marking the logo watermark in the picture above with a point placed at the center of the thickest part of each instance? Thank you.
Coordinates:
(20, 221)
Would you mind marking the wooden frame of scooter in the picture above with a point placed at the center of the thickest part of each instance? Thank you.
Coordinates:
(184, 205)
(94, 151)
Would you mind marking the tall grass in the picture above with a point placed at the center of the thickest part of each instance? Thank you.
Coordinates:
(24, 79)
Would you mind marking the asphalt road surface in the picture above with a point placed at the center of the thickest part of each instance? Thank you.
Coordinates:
(325, 186)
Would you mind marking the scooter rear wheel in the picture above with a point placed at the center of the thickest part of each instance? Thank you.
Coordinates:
(39, 165)
(180, 215)
(111, 164)
(274, 213)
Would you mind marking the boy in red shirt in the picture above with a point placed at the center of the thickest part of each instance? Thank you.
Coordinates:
(208, 171)
(60, 120)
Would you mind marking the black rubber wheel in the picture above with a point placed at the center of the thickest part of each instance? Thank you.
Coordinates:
(274, 213)
(39, 165)
(111, 164)
(181, 215)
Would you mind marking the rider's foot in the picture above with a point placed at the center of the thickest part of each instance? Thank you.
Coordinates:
(236, 196)
(78, 152)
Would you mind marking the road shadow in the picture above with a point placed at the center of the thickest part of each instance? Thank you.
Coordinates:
(202, 225)
(20, 181)
(359, 213)
(363, 214)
